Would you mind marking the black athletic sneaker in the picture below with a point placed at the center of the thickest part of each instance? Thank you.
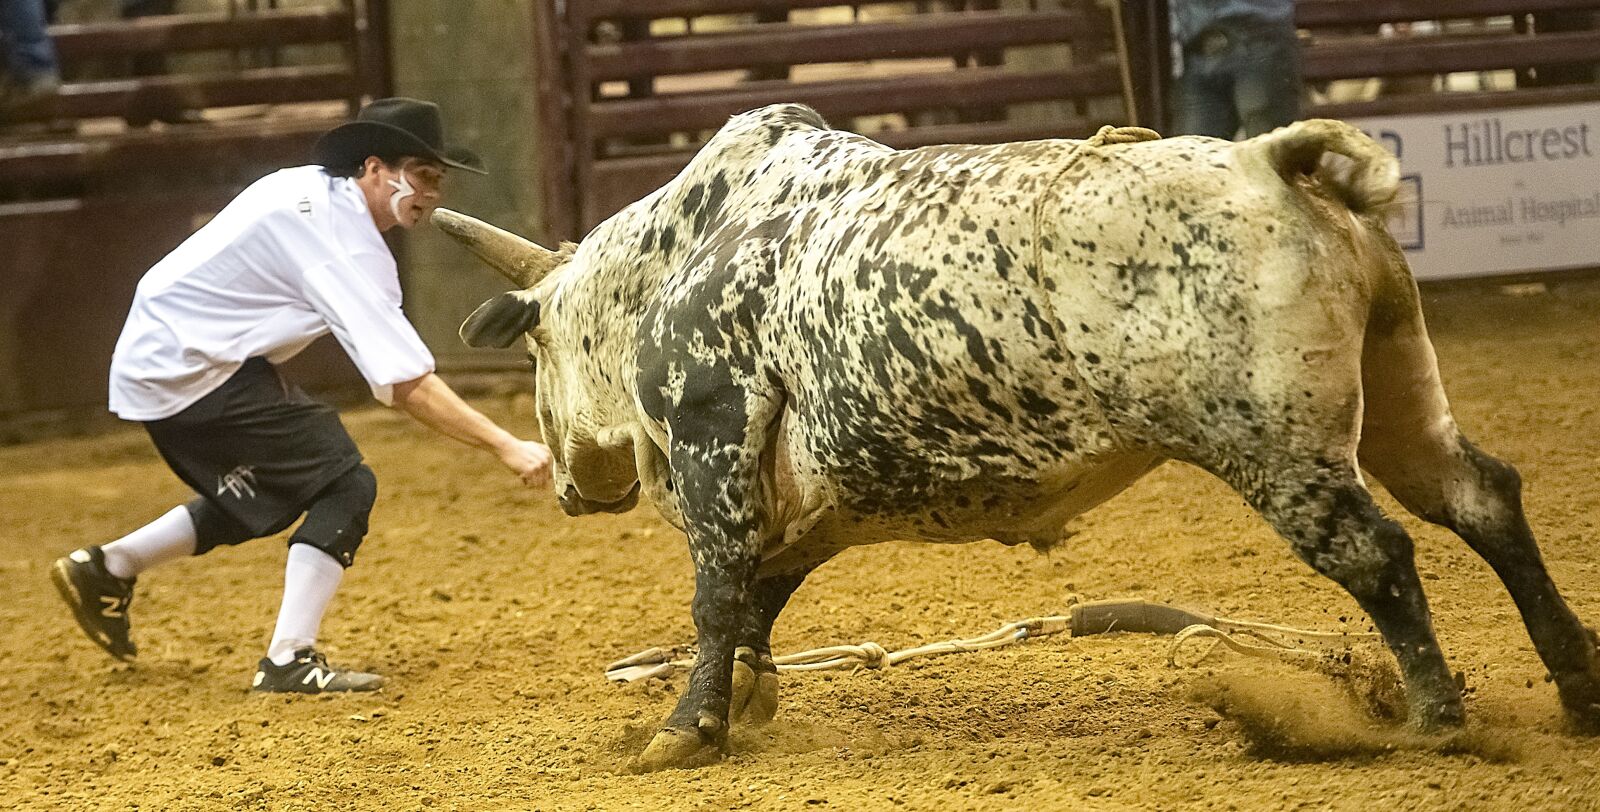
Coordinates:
(309, 673)
(99, 600)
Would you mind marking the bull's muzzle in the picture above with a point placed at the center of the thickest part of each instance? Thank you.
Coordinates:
(574, 505)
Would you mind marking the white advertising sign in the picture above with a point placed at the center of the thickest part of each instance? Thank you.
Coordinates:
(1496, 191)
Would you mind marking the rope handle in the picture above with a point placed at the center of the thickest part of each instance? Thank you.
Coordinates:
(1121, 135)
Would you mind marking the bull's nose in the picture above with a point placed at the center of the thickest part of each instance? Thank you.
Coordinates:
(573, 503)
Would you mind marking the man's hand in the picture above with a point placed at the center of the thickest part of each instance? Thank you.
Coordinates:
(529, 460)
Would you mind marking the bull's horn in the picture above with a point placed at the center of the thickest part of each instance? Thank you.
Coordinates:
(522, 261)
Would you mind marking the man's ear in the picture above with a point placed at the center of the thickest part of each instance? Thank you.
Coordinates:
(501, 320)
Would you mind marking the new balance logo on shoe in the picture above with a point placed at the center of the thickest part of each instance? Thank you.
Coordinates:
(113, 606)
(321, 677)
(240, 482)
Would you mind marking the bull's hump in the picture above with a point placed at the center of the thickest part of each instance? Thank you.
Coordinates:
(748, 138)
(782, 118)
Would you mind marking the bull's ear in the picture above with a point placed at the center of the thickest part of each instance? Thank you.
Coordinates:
(501, 320)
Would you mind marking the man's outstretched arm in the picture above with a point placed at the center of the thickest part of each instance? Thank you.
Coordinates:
(435, 405)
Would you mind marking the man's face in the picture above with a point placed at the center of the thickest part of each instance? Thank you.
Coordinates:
(408, 191)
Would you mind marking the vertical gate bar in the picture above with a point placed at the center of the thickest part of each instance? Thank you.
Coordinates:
(575, 34)
(559, 204)
(370, 22)
(1149, 59)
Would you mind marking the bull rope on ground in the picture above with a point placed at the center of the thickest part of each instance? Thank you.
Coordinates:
(1085, 619)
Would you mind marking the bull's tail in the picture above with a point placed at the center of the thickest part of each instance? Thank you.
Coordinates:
(1364, 175)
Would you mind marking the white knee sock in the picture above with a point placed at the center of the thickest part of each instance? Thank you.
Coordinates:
(309, 581)
(167, 538)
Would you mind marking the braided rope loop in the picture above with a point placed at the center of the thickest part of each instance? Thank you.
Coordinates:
(1245, 637)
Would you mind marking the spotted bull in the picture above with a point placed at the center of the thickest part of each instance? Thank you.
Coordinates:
(808, 341)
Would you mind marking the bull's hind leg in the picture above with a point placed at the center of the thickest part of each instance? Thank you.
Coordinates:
(1331, 522)
(1411, 444)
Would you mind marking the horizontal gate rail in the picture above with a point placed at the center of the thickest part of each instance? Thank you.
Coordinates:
(200, 32)
(934, 35)
(855, 97)
(1458, 102)
(126, 97)
(86, 160)
(1373, 56)
(1320, 13)
(583, 10)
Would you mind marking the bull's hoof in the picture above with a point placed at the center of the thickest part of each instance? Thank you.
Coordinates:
(1440, 716)
(755, 687)
(1580, 697)
(1585, 720)
(755, 694)
(674, 748)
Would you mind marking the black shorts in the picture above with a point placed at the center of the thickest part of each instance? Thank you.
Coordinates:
(257, 448)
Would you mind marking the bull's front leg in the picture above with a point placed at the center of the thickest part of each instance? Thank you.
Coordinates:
(715, 465)
(697, 730)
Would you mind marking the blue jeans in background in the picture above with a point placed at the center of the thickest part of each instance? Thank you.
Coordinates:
(29, 54)
(1237, 77)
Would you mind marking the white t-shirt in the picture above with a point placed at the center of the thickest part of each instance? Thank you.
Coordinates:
(293, 257)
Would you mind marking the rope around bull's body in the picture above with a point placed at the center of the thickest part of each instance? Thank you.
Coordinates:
(1084, 619)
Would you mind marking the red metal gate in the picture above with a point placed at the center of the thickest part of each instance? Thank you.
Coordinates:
(634, 87)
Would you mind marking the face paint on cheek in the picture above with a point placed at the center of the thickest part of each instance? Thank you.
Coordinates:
(402, 190)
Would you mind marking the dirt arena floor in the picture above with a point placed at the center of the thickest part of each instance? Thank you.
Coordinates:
(493, 615)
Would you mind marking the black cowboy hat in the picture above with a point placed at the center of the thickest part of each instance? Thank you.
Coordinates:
(395, 126)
